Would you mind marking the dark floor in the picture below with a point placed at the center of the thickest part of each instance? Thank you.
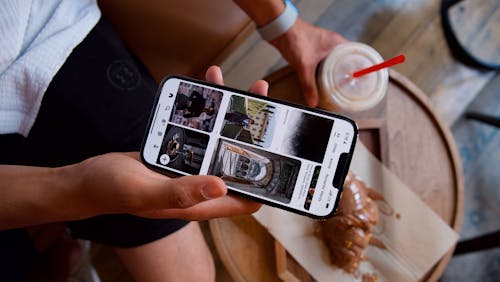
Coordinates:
(479, 147)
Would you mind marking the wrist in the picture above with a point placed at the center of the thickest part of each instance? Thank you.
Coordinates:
(33, 195)
(65, 198)
(280, 24)
(73, 193)
(289, 40)
(61, 200)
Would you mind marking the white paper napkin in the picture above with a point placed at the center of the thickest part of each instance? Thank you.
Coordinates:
(415, 241)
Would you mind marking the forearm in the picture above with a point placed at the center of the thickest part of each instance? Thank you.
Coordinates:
(34, 195)
(261, 12)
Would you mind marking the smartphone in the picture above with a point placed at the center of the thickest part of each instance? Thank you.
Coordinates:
(280, 154)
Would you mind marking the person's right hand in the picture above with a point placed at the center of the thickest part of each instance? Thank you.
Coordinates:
(120, 183)
(304, 46)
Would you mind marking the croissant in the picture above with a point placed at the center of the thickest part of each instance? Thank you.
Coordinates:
(349, 232)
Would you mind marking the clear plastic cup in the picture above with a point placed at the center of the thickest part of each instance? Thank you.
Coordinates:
(339, 90)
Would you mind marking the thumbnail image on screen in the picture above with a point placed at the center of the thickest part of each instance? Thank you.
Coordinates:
(249, 121)
(255, 171)
(196, 106)
(306, 136)
(183, 149)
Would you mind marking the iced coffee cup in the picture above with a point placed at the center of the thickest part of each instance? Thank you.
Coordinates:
(339, 90)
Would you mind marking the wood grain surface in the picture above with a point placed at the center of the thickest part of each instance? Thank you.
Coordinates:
(414, 136)
(392, 27)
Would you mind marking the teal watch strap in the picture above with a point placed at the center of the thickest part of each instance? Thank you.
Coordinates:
(280, 24)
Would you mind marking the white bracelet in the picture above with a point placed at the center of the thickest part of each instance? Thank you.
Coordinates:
(280, 24)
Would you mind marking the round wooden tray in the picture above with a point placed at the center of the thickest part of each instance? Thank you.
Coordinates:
(403, 132)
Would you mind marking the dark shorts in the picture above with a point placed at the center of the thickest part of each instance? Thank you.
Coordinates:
(98, 102)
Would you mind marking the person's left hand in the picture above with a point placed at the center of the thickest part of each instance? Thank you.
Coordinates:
(304, 46)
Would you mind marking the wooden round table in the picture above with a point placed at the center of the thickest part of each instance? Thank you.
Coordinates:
(403, 133)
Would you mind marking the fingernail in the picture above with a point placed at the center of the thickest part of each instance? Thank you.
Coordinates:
(211, 192)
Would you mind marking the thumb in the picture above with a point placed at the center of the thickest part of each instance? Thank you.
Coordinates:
(185, 192)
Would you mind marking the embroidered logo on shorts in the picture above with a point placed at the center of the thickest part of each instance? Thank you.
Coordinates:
(123, 75)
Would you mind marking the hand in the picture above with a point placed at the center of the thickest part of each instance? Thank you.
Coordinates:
(120, 183)
(304, 46)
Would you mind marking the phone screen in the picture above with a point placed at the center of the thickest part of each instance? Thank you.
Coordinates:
(286, 156)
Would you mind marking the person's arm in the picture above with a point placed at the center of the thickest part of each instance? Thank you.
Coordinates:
(261, 12)
(111, 183)
(114, 183)
(32, 195)
(303, 45)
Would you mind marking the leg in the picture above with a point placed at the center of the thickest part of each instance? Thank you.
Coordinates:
(181, 256)
(98, 102)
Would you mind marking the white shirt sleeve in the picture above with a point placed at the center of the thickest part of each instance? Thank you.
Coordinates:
(42, 34)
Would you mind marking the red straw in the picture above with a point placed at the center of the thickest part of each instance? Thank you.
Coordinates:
(389, 63)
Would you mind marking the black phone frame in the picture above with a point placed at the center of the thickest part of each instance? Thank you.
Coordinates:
(246, 93)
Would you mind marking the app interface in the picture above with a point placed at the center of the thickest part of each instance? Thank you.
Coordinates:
(261, 148)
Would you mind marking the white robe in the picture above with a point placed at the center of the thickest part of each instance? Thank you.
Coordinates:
(36, 37)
